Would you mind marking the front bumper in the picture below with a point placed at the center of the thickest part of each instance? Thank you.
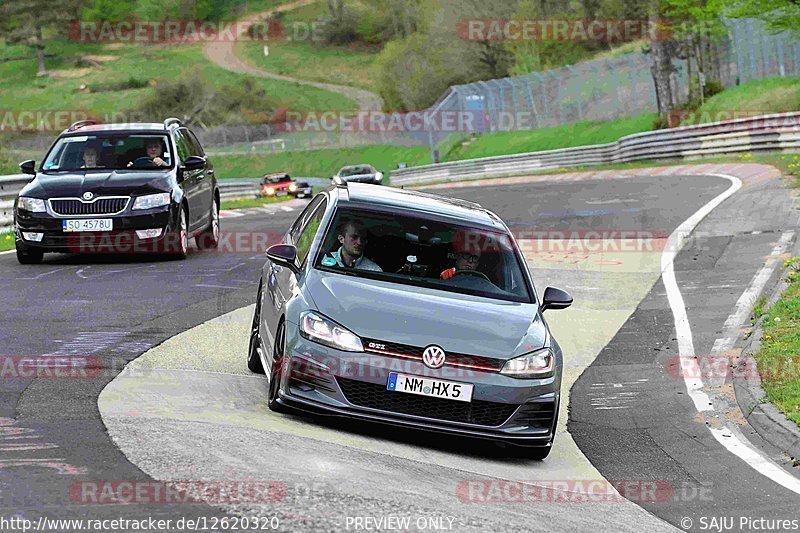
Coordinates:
(327, 381)
(122, 238)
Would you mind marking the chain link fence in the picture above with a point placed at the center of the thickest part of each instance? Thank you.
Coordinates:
(595, 90)
(608, 89)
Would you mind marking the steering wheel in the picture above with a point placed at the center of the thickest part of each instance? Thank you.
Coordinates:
(143, 162)
(476, 273)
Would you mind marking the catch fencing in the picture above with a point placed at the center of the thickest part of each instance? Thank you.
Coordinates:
(769, 133)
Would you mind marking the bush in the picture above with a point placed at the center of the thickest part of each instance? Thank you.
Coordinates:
(712, 87)
(414, 72)
(131, 83)
(194, 101)
(341, 30)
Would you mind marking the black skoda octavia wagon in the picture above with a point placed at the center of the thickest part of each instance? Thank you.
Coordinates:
(119, 188)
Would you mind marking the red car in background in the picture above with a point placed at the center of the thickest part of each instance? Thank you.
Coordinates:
(281, 184)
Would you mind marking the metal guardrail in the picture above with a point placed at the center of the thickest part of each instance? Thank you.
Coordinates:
(230, 189)
(767, 133)
(9, 188)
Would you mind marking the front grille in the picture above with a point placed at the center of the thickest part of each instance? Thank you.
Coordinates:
(406, 351)
(101, 206)
(377, 397)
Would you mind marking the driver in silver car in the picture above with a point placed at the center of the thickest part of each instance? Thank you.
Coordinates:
(465, 260)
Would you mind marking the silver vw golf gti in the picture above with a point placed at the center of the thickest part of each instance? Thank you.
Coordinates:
(409, 309)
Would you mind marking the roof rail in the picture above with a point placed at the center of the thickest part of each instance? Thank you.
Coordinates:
(170, 121)
(81, 123)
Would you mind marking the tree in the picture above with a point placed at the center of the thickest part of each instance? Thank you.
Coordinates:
(697, 26)
(661, 64)
(779, 15)
(27, 21)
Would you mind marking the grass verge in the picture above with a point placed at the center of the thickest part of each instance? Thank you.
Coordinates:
(6, 240)
(121, 65)
(253, 202)
(578, 134)
(319, 163)
(778, 356)
(299, 56)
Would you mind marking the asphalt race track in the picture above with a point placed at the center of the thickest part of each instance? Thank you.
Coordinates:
(187, 409)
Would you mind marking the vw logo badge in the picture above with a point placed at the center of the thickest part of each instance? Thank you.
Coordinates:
(87, 195)
(433, 356)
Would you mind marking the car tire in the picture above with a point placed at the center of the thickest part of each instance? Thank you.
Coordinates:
(179, 246)
(253, 360)
(29, 257)
(209, 239)
(275, 372)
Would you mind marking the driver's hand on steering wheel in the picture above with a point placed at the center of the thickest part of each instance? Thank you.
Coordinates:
(160, 162)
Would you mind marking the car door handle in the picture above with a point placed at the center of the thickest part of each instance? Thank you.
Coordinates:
(201, 177)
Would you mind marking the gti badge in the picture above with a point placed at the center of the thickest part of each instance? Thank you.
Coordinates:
(87, 195)
(433, 356)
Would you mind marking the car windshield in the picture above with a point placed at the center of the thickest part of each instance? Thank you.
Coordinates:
(355, 171)
(109, 152)
(278, 179)
(410, 250)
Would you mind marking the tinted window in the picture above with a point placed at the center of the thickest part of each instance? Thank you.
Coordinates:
(181, 145)
(413, 250)
(297, 225)
(193, 144)
(309, 229)
(104, 151)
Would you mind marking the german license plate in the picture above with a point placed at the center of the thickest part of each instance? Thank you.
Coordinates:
(88, 224)
(435, 388)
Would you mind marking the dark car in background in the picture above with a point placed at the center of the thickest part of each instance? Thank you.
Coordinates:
(281, 184)
(357, 174)
(135, 188)
(401, 336)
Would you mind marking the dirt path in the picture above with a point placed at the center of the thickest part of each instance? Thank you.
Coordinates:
(224, 55)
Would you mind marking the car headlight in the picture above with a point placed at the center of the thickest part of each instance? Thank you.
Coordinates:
(292, 188)
(34, 205)
(318, 328)
(269, 191)
(152, 200)
(531, 365)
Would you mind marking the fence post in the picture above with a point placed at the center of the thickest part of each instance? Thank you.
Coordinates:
(544, 94)
(578, 97)
(752, 52)
(490, 99)
(533, 102)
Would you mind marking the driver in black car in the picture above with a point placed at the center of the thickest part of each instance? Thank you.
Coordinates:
(467, 259)
(154, 153)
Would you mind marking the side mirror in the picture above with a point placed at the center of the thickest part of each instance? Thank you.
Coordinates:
(283, 255)
(194, 162)
(555, 299)
(28, 167)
